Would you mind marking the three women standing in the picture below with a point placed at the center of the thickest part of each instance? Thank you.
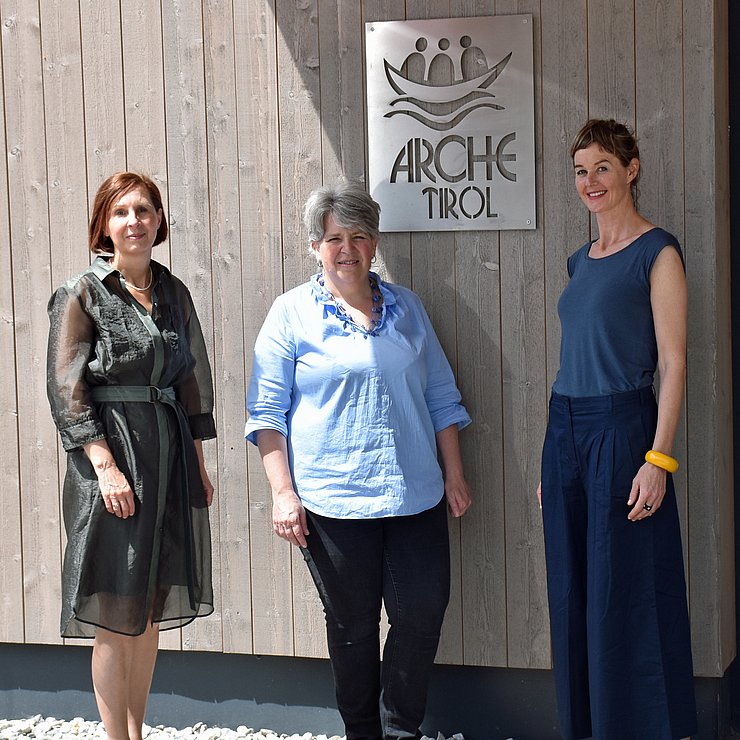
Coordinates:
(616, 588)
(355, 411)
(130, 389)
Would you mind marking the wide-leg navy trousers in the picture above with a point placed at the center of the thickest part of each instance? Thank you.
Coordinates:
(616, 588)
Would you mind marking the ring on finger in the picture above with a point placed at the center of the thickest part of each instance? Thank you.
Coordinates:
(648, 507)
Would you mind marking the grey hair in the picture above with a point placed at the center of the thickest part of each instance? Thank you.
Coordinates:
(347, 203)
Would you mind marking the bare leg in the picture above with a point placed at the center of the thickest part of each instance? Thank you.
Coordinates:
(141, 671)
(122, 669)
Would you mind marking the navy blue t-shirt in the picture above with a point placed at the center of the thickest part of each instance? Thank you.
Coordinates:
(608, 337)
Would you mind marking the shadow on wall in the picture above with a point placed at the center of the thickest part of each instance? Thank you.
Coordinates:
(324, 125)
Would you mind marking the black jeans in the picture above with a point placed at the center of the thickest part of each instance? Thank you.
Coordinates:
(357, 564)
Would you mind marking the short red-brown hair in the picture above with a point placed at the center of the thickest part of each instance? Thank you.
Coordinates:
(110, 192)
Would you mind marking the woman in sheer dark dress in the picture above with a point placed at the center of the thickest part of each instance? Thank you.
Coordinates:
(130, 389)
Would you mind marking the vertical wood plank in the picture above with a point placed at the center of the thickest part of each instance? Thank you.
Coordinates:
(65, 137)
(190, 238)
(565, 97)
(611, 60)
(143, 97)
(723, 461)
(709, 404)
(228, 364)
(433, 279)
(299, 94)
(100, 25)
(187, 151)
(143, 88)
(659, 109)
(479, 374)
(433, 258)
(299, 98)
(659, 127)
(342, 90)
(259, 181)
(104, 114)
(475, 625)
(524, 407)
(482, 559)
(64, 118)
(29, 235)
(11, 560)
(394, 249)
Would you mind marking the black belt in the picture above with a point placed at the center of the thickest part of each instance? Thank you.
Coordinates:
(140, 393)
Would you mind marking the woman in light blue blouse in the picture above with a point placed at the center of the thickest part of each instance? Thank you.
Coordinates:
(355, 411)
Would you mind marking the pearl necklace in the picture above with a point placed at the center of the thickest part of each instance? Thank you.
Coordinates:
(136, 287)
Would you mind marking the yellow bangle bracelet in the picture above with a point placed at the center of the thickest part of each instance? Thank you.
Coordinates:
(662, 461)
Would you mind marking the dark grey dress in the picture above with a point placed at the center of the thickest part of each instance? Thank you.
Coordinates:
(157, 562)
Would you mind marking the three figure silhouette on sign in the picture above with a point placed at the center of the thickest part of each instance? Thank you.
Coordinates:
(472, 63)
(446, 90)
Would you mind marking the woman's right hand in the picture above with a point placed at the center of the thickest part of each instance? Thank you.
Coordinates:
(114, 488)
(289, 517)
(539, 493)
(116, 491)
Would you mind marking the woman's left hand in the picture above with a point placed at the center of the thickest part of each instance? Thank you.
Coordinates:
(205, 480)
(458, 496)
(648, 489)
(457, 490)
(207, 486)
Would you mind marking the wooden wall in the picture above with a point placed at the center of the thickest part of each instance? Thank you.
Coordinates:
(238, 109)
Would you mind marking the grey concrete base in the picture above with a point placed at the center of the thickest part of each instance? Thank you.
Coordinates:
(221, 690)
(297, 695)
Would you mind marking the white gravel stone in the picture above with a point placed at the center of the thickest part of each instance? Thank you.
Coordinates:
(50, 728)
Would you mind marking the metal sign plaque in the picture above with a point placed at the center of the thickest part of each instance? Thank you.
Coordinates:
(451, 123)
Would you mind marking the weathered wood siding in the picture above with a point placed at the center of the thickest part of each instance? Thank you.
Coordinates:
(238, 109)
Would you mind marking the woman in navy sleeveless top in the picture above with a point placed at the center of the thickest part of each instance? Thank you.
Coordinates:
(616, 587)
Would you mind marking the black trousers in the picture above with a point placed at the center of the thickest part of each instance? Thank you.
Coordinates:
(357, 564)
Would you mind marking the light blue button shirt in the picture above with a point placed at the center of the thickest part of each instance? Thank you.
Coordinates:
(360, 411)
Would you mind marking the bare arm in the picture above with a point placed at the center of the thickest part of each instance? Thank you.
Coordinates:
(457, 490)
(288, 514)
(669, 300)
(669, 297)
(207, 485)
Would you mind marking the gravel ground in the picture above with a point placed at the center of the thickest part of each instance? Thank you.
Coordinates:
(80, 729)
